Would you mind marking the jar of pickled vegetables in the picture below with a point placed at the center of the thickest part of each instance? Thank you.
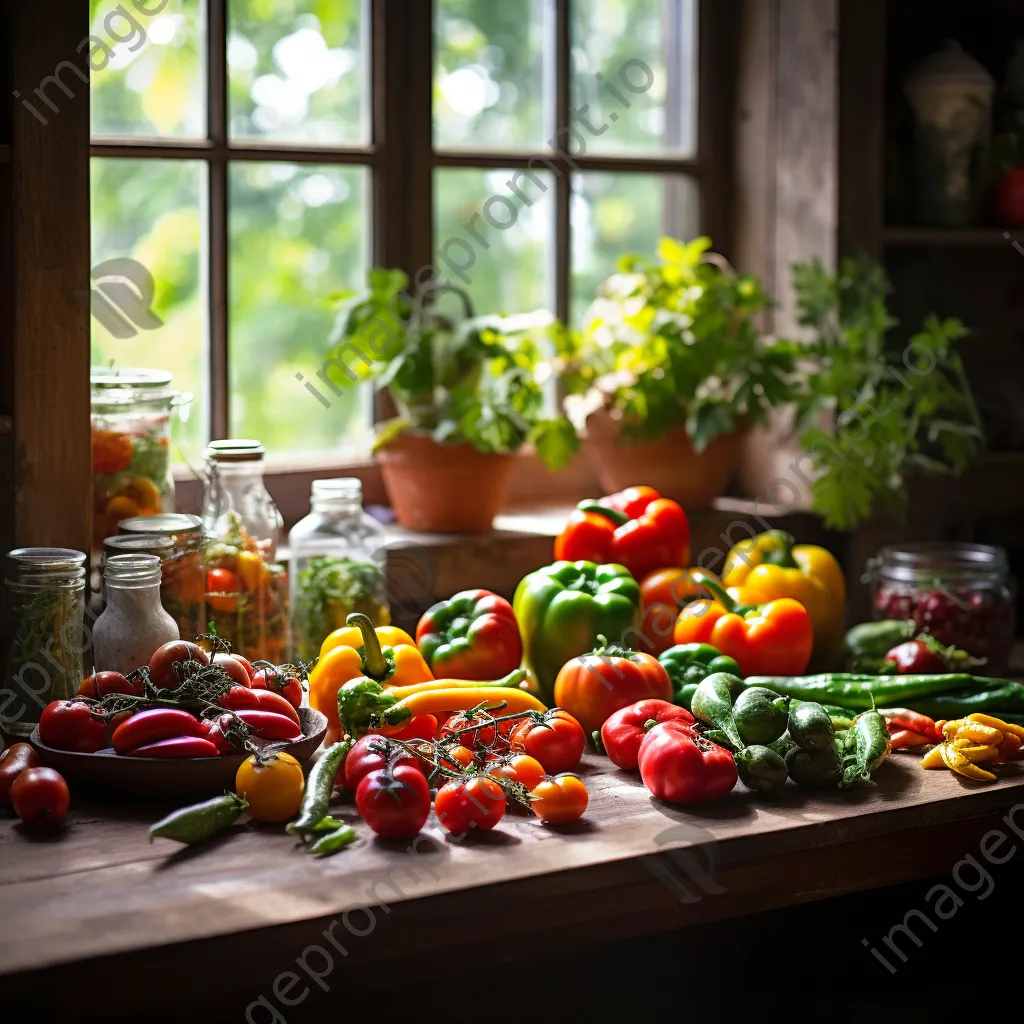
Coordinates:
(46, 593)
(183, 585)
(246, 588)
(131, 446)
(963, 594)
(336, 566)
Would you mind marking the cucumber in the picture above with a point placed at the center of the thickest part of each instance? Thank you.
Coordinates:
(761, 715)
(814, 770)
(712, 705)
(811, 727)
(761, 769)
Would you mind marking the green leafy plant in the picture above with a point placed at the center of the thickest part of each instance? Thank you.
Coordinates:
(675, 342)
(460, 377)
(896, 409)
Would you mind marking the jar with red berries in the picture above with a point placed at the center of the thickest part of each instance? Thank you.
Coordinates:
(963, 594)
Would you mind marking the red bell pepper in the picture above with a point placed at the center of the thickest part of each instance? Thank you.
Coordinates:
(624, 732)
(473, 635)
(636, 528)
(683, 767)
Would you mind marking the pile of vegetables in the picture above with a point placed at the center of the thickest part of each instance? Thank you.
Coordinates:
(38, 796)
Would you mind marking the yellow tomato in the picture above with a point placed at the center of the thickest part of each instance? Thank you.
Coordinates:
(121, 507)
(273, 789)
(144, 493)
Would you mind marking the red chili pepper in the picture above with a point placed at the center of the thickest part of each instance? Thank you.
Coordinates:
(904, 739)
(904, 718)
(240, 698)
(636, 528)
(177, 746)
(624, 732)
(269, 725)
(683, 767)
(153, 725)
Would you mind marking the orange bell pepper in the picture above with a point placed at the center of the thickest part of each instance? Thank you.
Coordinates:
(662, 594)
(386, 655)
(774, 639)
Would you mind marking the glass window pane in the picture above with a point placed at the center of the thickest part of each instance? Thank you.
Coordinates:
(634, 67)
(297, 234)
(492, 77)
(147, 76)
(150, 211)
(613, 214)
(298, 71)
(494, 236)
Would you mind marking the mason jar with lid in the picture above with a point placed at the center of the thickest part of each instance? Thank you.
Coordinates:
(46, 593)
(963, 594)
(336, 565)
(246, 588)
(183, 583)
(131, 445)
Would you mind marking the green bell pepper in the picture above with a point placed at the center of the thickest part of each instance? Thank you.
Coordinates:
(564, 607)
(688, 664)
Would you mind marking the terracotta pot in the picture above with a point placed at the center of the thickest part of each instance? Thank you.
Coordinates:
(671, 466)
(440, 488)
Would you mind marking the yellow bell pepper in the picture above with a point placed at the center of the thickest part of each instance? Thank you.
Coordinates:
(771, 566)
(387, 655)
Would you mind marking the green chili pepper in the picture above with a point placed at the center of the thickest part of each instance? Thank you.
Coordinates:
(200, 822)
(1001, 697)
(870, 746)
(334, 841)
(317, 797)
(689, 664)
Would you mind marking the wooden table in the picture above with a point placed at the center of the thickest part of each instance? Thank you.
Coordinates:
(101, 895)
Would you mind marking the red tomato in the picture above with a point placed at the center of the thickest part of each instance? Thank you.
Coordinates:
(103, 683)
(247, 665)
(419, 727)
(464, 804)
(394, 803)
(372, 753)
(623, 733)
(281, 681)
(15, 760)
(172, 658)
(40, 796)
(72, 725)
(483, 737)
(215, 730)
(559, 800)
(555, 739)
(520, 768)
(222, 589)
(683, 767)
(233, 667)
(455, 757)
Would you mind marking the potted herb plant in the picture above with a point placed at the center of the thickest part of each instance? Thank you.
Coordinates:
(670, 370)
(466, 394)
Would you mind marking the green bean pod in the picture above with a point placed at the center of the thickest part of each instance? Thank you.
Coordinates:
(200, 822)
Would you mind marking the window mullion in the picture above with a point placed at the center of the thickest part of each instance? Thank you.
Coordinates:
(563, 189)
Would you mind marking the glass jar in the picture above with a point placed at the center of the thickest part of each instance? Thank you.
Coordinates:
(962, 594)
(183, 586)
(133, 623)
(336, 567)
(131, 445)
(46, 591)
(246, 589)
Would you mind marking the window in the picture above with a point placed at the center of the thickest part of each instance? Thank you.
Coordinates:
(256, 156)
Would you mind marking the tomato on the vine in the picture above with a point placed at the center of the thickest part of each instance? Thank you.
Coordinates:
(395, 802)
(233, 667)
(460, 755)
(560, 799)
(279, 680)
(72, 725)
(103, 683)
(519, 768)
(373, 752)
(170, 659)
(555, 739)
(464, 804)
(247, 665)
(40, 796)
(482, 737)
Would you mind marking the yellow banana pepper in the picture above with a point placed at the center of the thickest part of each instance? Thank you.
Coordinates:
(770, 566)
(387, 655)
(957, 762)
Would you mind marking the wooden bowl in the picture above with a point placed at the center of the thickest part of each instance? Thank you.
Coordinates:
(182, 779)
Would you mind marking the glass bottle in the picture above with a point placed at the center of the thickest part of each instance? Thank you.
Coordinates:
(246, 588)
(46, 593)
(131, 445)
(337, 566)
(133, 623)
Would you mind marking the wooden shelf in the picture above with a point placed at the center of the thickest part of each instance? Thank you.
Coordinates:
(5, 154)
(946, 237)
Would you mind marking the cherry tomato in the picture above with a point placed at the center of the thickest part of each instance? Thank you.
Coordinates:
(169, 660)
(520, 768)
(395, 802)
(372, 753)
(419, 727)
(462, 756)
(104, 683)
(483, 737)
(273, 788)
(72, 725)
(474, 803)
(40, 796)
(222, 589)
(15, 760)
(560, 799)
(233, 667)
(556, 740)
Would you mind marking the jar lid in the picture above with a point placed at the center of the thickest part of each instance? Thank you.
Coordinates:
(58, 564)
(124, 387)
(163, 522)
(337, 488)
(132, 570)
(140, 544)
(913, 562)
(235, 450)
